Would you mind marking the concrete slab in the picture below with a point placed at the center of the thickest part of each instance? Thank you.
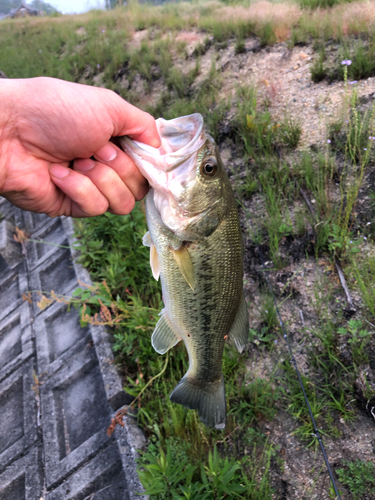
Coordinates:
(18, 403)
(50, 237)
(13, 284)
(63, 409)
(55, 273)
(16, 340)
(78, 415)
(10, 212)
(10, 250)
(33, 222)
(101, 479)
(23, 480)
(116, 395)
(59, 336)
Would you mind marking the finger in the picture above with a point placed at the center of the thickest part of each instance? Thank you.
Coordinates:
(120, 198)
(131, 121)
(125, 168)
(80, 189)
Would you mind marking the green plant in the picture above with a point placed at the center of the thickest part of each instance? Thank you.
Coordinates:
(320, 4)
(220, 478)
(161, 475)
(359, 477)
(268, 312)
(318, 72)
(257, 400)
(262, 338)
(357, 337)
(111, 248)
(289, 132)
(364, 272)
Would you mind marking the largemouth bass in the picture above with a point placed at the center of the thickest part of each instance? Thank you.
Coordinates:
(196, 248)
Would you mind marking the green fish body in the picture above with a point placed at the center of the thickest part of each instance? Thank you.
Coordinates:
(196, 248)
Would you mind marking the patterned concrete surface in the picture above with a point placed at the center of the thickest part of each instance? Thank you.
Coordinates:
(58, 384)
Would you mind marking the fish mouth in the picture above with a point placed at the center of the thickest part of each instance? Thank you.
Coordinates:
(178, 143)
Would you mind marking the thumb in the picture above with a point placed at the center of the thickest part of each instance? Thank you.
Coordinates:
(130, 120)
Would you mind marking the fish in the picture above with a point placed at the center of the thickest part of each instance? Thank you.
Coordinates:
(196, 249)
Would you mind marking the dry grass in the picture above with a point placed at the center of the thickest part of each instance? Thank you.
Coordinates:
(337, 22)
(341, 20)
(282, 17)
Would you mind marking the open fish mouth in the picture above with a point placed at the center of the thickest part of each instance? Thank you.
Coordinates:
(179, 142)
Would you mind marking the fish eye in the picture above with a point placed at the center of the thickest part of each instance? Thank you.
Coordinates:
(209, 167)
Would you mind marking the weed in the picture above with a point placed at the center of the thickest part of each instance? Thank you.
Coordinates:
(103, 243)
(318, 72)
(358, 338)
(364, 272)
(268, 312)
(289, 132)
(262, 338)
(162, 475)
(257, 401)
(359, 477)
(240, 45)
(267, 35)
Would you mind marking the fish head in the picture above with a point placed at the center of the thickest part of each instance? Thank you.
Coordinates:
(186, 174)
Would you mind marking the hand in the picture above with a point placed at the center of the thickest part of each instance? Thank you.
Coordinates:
(46, 124)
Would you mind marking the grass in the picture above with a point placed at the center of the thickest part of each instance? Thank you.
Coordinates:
(72, 47)
(359, 477)
(183, 458)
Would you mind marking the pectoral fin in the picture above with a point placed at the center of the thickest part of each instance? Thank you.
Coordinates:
(154, 262)
(146, 240)
(154, 258)
(183, 260)
(239, 333)
(163, 337)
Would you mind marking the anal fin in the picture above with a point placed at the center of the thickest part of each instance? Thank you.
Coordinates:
(163, 337)
(239, 333)
(206, 397)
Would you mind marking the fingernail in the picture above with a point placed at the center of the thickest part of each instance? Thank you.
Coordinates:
(84, 164)
(59, 171)
(106, 153)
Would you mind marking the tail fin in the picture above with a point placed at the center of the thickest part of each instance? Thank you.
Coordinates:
(209, 400)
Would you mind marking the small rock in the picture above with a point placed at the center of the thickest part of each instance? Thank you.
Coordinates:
(303, 56)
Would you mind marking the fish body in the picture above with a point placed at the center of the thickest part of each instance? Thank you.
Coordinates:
(196, 248)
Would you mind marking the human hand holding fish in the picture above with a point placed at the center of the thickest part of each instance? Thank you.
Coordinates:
(196, 249)
(56, 156)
